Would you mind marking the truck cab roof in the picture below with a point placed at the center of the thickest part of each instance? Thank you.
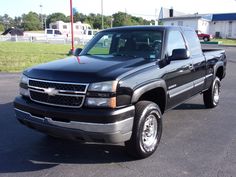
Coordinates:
(145, 27)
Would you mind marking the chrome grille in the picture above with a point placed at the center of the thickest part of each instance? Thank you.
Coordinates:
(58, 85)
(61, 94)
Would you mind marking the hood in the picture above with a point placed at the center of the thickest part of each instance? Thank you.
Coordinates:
(87, 69)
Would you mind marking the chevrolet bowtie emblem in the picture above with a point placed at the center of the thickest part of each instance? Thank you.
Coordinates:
(51, 91)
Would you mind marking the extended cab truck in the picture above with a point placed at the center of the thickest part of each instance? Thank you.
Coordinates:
(117, 88)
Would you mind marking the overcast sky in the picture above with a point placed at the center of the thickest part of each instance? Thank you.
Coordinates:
(144, 8)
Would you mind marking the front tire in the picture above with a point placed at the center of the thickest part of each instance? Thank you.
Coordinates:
(147, 130)
(211, 97)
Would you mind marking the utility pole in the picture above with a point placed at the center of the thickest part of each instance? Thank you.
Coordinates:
(45, 21)
(41, 15)
(72, 30)
(112, 19)
(156, 18)
(102, 14)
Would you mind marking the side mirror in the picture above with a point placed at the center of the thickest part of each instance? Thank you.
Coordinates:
(77, 51)
(180, 54)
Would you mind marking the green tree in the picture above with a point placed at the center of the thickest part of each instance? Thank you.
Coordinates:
(108, 20)
(122, 19)
(31, 21)
(6, 21)
(17, 22)
(2, 27)
(57, 17)
(79, 17)
(97, 22)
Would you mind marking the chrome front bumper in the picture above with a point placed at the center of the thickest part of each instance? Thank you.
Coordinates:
(116, 132)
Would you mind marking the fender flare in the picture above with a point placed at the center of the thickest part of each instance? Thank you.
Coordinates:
(147, 87)
(217, 65)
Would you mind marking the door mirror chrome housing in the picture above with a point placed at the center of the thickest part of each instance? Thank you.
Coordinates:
(180, 54)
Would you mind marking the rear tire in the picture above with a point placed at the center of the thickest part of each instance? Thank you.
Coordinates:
(147, 130)
(211, 97)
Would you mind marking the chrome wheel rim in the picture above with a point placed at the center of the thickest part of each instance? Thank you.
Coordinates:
(149, 134)
(216, 93)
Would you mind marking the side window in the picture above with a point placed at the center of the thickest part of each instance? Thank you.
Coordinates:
(175, 41)
(102, 46)
(193, 42)
(57, 32)
(49, 31)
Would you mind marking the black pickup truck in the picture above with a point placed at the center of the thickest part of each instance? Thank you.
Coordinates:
(117, 88)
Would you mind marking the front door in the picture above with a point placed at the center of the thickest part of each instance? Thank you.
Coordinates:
(197, 60)
(178, 74)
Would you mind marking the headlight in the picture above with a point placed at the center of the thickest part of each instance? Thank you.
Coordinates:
(24, 92)
(102, 94)
(24, 81)
(109, 86)
(101, 102)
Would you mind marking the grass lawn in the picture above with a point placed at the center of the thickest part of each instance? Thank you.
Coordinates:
(16, 56)
(226, 41)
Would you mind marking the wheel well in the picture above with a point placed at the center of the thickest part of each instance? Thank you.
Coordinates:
(157, 96)
(219, 72)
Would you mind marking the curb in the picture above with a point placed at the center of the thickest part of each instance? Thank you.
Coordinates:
(218, 45)
(223, 45)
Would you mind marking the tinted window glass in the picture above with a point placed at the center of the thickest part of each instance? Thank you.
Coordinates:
(145, 44)
(193, 42)
(175, 41)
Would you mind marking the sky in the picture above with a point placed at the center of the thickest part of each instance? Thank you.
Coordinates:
(144, 8)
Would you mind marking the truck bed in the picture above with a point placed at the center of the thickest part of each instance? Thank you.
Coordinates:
(215, 53)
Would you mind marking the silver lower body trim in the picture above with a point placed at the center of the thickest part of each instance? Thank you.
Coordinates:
(186, 87)
(199, 82)
(179, 90)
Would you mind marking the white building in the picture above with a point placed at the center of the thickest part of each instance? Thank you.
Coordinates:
(224, 25)
(196, 22)
(65, 28)
(218, 25)
(166, 13)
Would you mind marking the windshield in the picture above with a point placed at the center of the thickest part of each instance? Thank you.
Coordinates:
(145, 44)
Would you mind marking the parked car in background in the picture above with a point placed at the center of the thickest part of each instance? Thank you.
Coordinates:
(203, 36)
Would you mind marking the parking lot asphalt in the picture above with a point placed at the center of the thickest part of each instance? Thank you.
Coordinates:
(196, 142)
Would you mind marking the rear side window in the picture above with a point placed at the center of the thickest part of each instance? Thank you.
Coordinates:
(193, 42)
(175, 41)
